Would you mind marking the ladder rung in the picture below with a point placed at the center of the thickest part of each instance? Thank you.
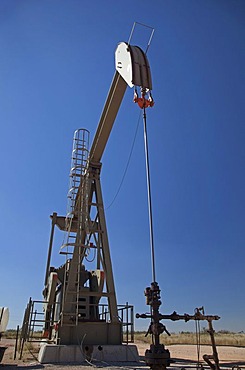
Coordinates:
(68, 245)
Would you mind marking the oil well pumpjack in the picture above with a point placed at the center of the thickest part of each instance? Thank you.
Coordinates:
(77, 324)
(73, 310)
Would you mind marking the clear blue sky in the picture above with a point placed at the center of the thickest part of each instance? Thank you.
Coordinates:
(56, 66)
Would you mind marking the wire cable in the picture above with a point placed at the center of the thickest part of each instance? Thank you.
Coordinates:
(127, 165)
(143, 25)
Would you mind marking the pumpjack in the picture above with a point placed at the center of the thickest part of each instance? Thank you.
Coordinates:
(81, 315)
(75, 292)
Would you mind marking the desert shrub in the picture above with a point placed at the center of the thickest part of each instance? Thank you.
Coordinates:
(221, 339)
(9, 334)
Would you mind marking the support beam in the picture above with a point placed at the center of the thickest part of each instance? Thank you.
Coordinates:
(108, 117)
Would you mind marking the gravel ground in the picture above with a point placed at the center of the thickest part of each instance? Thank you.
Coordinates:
(184, 356)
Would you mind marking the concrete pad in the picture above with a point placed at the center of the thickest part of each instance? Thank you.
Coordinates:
(53, 353)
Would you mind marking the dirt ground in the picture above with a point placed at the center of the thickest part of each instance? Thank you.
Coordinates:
(228, 356)
(183, 355)
(189, 352)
